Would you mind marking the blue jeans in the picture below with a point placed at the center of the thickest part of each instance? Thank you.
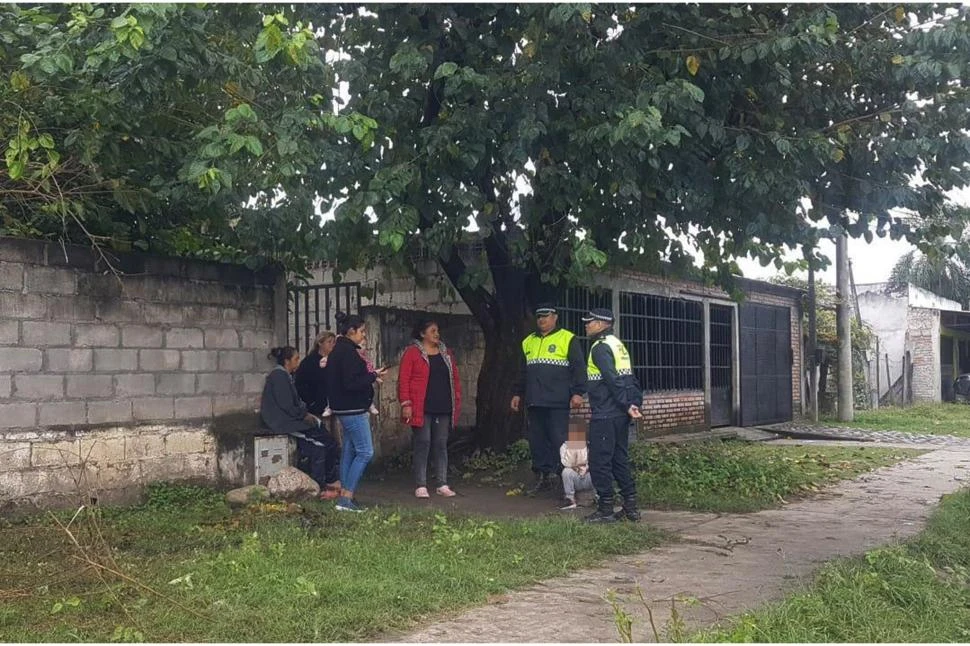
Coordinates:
(358, 449)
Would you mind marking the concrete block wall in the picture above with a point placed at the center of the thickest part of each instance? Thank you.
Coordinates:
(171, 341)
(64, 466)
(432, 293)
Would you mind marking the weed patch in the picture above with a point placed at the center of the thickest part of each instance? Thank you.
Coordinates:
(271, 574)
(496, 465)
(915, 592)
(167, 495)
(741, 477)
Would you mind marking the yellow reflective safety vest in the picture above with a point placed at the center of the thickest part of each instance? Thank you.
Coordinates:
(620, 356)
(550, 350)
(548, 381)
(610, 398)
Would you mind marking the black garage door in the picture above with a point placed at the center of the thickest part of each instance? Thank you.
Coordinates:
(766, 364)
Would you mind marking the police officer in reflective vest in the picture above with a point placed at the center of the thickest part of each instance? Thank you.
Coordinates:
(614, 398)
(553, 380)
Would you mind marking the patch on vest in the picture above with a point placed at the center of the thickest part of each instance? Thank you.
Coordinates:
(552, 348)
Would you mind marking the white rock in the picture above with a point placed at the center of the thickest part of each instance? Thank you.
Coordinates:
(291, 484)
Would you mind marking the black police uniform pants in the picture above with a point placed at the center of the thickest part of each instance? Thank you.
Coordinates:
(548, 428)
(609, 458)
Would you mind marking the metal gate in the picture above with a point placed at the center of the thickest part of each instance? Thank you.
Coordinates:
(312, 309)
(766, 364)
(722, 362)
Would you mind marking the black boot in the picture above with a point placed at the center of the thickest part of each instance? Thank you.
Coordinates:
(629, 511)
(603, 513)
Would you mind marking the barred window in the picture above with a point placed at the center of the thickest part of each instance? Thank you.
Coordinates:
(574, 302)
(664, 337)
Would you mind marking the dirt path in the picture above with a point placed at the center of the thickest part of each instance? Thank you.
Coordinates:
(731, 562)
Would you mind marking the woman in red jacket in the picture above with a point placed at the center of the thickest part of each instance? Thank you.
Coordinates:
(429, 390)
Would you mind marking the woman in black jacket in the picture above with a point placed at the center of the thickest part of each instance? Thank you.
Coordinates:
(311, 376)
(350, 390)
(284, 412)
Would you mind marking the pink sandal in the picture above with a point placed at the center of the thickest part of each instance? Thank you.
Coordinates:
(421, 492)
(445, 491)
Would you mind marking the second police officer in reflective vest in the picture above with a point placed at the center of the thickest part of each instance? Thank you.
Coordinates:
(552, 381)
(615, 397)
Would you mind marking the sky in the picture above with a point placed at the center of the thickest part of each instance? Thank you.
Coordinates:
(871, 263)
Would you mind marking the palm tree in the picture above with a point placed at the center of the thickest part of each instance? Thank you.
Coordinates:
(946, 276)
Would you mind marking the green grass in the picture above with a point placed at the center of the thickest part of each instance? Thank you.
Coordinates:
(915, 592)
(273, 574)
(741, 477)
(931, 419)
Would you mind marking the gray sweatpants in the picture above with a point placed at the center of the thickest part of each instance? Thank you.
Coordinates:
(573, 482)
(432, 438)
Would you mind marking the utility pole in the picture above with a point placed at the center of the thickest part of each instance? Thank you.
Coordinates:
(812, 343)
(843, 325)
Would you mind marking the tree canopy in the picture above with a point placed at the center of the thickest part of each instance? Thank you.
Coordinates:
(560, 138)
(572, 137)
(947, 276)
(185, 129)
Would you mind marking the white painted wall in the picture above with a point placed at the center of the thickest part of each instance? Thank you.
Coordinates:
(887, 316)
(919, 297)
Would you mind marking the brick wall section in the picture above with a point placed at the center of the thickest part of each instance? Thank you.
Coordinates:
(923, 343)
(681, 410)
(173, 339)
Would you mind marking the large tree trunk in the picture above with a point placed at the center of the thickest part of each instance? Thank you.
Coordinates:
(495, 425)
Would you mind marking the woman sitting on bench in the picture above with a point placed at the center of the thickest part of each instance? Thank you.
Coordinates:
(284, 412)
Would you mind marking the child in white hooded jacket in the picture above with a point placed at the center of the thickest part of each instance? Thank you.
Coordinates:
(575, 467)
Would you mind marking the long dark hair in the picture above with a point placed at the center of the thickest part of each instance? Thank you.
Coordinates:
(282, 355)
(420, 327)
(347, 322)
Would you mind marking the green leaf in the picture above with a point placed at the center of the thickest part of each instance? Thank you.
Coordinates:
(19, 81)
(64, 62)
(253, 146)
(15, 169)
(136, 38)
(445, 70)
(45, 141)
